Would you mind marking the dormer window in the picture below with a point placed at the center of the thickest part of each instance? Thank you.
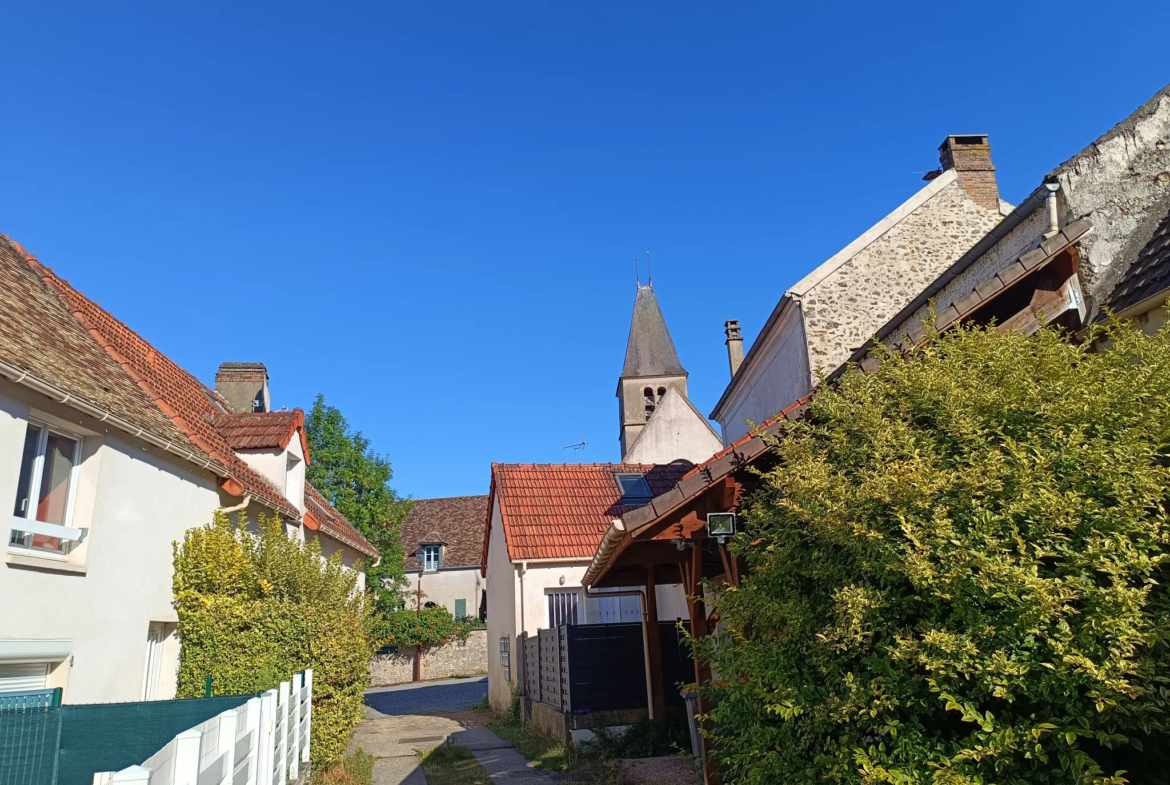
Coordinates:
(432, 557)
(634, 488)
(290, 478)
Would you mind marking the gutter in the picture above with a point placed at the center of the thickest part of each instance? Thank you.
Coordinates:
(22, 377)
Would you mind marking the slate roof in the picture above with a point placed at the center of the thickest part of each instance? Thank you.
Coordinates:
(261, 430)
(649, 349)
(456, 522)
(556, 511)
(322, 515)
(1147, 276)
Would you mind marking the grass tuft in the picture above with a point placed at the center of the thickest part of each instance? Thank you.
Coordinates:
(356, 769)
(453, 766)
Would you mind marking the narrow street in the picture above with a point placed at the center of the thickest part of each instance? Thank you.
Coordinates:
(404, 719)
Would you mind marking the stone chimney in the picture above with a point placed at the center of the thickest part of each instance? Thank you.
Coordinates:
(734, 345)
(970, 157)
(244, 386)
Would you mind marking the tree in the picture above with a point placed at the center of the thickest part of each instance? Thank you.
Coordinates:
(957, 574)
(356, 480)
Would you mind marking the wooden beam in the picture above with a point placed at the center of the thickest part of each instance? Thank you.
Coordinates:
(654, 647)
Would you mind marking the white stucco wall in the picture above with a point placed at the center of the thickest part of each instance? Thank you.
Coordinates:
(446, 586)
(501, 612)
(676, 431)
(779, 375)
(134, 503)
(349, 556)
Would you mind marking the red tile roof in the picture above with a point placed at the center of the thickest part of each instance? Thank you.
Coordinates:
(261, 430)
(321, 515)
(557, 511)
(177, 393)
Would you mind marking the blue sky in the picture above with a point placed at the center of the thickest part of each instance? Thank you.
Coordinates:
(426, 211)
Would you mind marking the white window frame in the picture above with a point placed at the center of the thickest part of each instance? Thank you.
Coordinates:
(156, 635)
(432, 557)
(28, 522)
(564, 605)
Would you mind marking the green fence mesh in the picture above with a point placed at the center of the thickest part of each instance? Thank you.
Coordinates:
(65, 745)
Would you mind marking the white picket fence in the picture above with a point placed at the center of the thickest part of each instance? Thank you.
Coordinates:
(263, 742)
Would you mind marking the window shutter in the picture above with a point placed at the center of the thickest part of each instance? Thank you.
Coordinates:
(440, 559)
(25, 676)
(460, 609)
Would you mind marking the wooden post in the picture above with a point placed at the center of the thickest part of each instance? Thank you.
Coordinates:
(654, 648)
(702, 670)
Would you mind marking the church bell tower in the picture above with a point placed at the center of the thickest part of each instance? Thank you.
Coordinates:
(651, 368)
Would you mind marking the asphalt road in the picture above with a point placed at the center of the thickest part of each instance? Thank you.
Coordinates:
(427, 698)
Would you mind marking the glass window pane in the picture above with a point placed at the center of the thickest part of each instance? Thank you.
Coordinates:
(55, 478)
(23, 489)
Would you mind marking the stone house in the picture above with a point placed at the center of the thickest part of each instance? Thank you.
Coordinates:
(822, 318)
(443, 542)
(1108, 204)
(109, 452)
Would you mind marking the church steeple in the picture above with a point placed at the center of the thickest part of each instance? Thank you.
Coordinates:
(650, 369)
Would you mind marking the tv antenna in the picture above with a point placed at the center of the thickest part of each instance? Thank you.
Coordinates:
(649, 271)
(576, 448)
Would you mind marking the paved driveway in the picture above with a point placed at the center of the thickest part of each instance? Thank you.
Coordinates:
(445, 696)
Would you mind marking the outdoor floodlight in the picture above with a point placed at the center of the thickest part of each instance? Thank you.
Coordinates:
(720, 524)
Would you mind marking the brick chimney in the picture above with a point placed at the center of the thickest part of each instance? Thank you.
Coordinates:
(244, 386)
(734, 345)
(970, 157)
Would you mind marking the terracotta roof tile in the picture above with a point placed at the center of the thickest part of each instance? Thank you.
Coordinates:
(39, 334)
(260, 430)
(555, 511)
(1148, 275)
(175, 394)
(456, 522)
(333, 524)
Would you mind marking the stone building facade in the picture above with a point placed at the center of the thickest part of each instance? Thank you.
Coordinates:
(825, 316)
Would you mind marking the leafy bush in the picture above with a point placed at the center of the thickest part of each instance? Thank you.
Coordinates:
(431, 627)
(255, 609)
(957, 574)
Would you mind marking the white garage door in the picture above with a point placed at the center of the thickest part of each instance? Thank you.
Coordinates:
(24, 676)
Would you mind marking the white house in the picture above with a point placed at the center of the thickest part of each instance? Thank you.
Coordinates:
(443, 542)
(109, 452)
(822, 318)
(546, 522)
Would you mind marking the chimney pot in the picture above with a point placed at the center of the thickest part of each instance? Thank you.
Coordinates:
(734, 345)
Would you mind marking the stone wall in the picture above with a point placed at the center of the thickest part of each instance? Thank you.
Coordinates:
(457, 658)
(845, 308)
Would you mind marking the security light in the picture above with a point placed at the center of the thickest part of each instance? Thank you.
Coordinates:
(720, 524)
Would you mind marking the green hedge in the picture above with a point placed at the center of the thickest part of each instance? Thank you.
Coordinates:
(432, 627)
(255, 609)
(958, 573)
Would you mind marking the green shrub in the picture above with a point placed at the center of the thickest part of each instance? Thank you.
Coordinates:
(255, 609)
(431, 627)
(957, 574)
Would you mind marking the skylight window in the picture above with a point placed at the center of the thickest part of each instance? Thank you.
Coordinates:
(634, 488)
